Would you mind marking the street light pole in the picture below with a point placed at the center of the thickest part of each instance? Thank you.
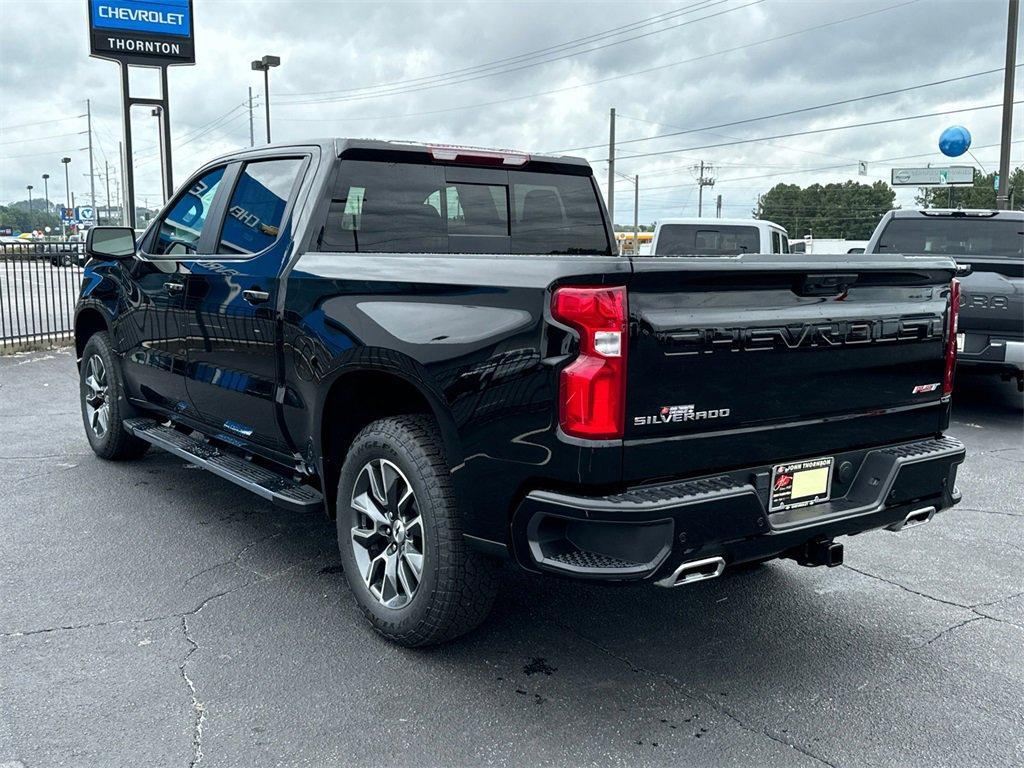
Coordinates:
(67, 179)
(29, 188)
(264, 65)
(46, 192)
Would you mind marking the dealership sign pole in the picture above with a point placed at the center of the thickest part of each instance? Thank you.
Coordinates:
(143, 33)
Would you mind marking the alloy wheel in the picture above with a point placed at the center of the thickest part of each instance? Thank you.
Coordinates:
(97, 406)
(387, 533)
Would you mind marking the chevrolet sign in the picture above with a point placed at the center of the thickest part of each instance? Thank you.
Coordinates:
(143, 32)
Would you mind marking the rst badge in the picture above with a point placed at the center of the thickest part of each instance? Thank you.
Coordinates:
(675, 413)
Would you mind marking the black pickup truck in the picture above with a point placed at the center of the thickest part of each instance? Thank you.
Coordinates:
(990, 244)
(440, 348)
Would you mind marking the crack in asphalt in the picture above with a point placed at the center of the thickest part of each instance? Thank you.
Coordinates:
(987, 511)
(695, 694)
(947, 630)
(973, 608)
(198, 707)
(906, 588)
(235, 560)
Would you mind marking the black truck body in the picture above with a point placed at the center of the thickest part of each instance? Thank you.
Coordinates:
(594, 416)
(990, 246)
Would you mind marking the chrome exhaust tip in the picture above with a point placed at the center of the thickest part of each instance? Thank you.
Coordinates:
(694, 571)
(913, 518)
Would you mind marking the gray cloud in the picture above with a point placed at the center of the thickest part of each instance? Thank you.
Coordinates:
(331, 46)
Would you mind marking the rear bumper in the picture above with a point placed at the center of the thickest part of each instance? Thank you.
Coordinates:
(648, 532)
(982, 350)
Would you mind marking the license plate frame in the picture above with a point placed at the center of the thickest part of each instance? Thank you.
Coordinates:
(811, 478)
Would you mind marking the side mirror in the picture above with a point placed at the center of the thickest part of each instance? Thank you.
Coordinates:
(105, 243)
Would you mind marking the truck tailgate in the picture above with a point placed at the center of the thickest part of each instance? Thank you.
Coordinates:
(735, 361)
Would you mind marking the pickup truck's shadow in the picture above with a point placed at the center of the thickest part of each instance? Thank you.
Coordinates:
(979, 394)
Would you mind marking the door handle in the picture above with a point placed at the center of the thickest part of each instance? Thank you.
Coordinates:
(174, 287)
(255, 296)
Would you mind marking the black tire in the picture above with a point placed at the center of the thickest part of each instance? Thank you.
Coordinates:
(113, 442)
(457, 585)
(66, 260)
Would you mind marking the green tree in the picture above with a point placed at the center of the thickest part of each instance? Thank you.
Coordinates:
(18, 217)
(847, 210)
(981, 195)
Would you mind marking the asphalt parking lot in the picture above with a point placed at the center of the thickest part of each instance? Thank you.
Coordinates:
(152, 614)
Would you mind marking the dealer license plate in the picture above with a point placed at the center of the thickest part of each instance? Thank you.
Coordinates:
(800, 483)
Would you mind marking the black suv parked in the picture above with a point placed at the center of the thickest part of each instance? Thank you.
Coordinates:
(439, 347)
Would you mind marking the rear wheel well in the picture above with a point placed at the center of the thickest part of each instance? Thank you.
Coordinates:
(354, 401)
(87, 323)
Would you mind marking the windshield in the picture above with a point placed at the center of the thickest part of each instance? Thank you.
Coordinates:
(706, 240)
(954, 236)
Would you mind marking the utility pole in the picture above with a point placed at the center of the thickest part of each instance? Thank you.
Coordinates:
(703, 181)
(718, 207)
(106, 175)
(636, 215)
(1002, 193)
(252, 134)
(92, 175)
(46, 191)
(30, 188)
(611, 169)
(125, 196)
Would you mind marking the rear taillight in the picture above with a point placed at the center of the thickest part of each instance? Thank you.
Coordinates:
(954, 315)
(592, 391)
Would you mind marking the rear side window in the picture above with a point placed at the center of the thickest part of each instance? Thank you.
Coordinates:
(556, 214)
(257, 205)
(403, 207)
(776, 242)
(709, 240)
(1002, 238)
(181, 228)
(387, 208)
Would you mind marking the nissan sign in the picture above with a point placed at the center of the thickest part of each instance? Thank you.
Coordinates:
(142, 32)
(954, 175)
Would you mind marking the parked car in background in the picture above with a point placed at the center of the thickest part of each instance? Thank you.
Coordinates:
(826, 245)
(991, 244)
(717, 237)
(440, 348)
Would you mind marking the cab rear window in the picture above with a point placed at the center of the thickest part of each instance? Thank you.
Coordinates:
(706, 240)
(387, 207)
(954, 236)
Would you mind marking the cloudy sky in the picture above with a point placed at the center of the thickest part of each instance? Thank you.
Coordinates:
(538, 76)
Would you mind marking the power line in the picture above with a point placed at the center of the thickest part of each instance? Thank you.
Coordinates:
(43, 154)
(413, 89)
(816, 170)
(573, 43)
(43, 138)
(6, 128)
(790, 112)
(612, 78)
(809, 132)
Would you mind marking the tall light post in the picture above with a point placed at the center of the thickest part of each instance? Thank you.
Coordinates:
(67, 178)
(263, 65)
(29, 188)
(46, 192)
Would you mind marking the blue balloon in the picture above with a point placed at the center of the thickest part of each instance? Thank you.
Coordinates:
(954, 141)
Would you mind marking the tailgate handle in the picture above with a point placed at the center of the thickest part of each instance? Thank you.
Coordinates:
(825, 285)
